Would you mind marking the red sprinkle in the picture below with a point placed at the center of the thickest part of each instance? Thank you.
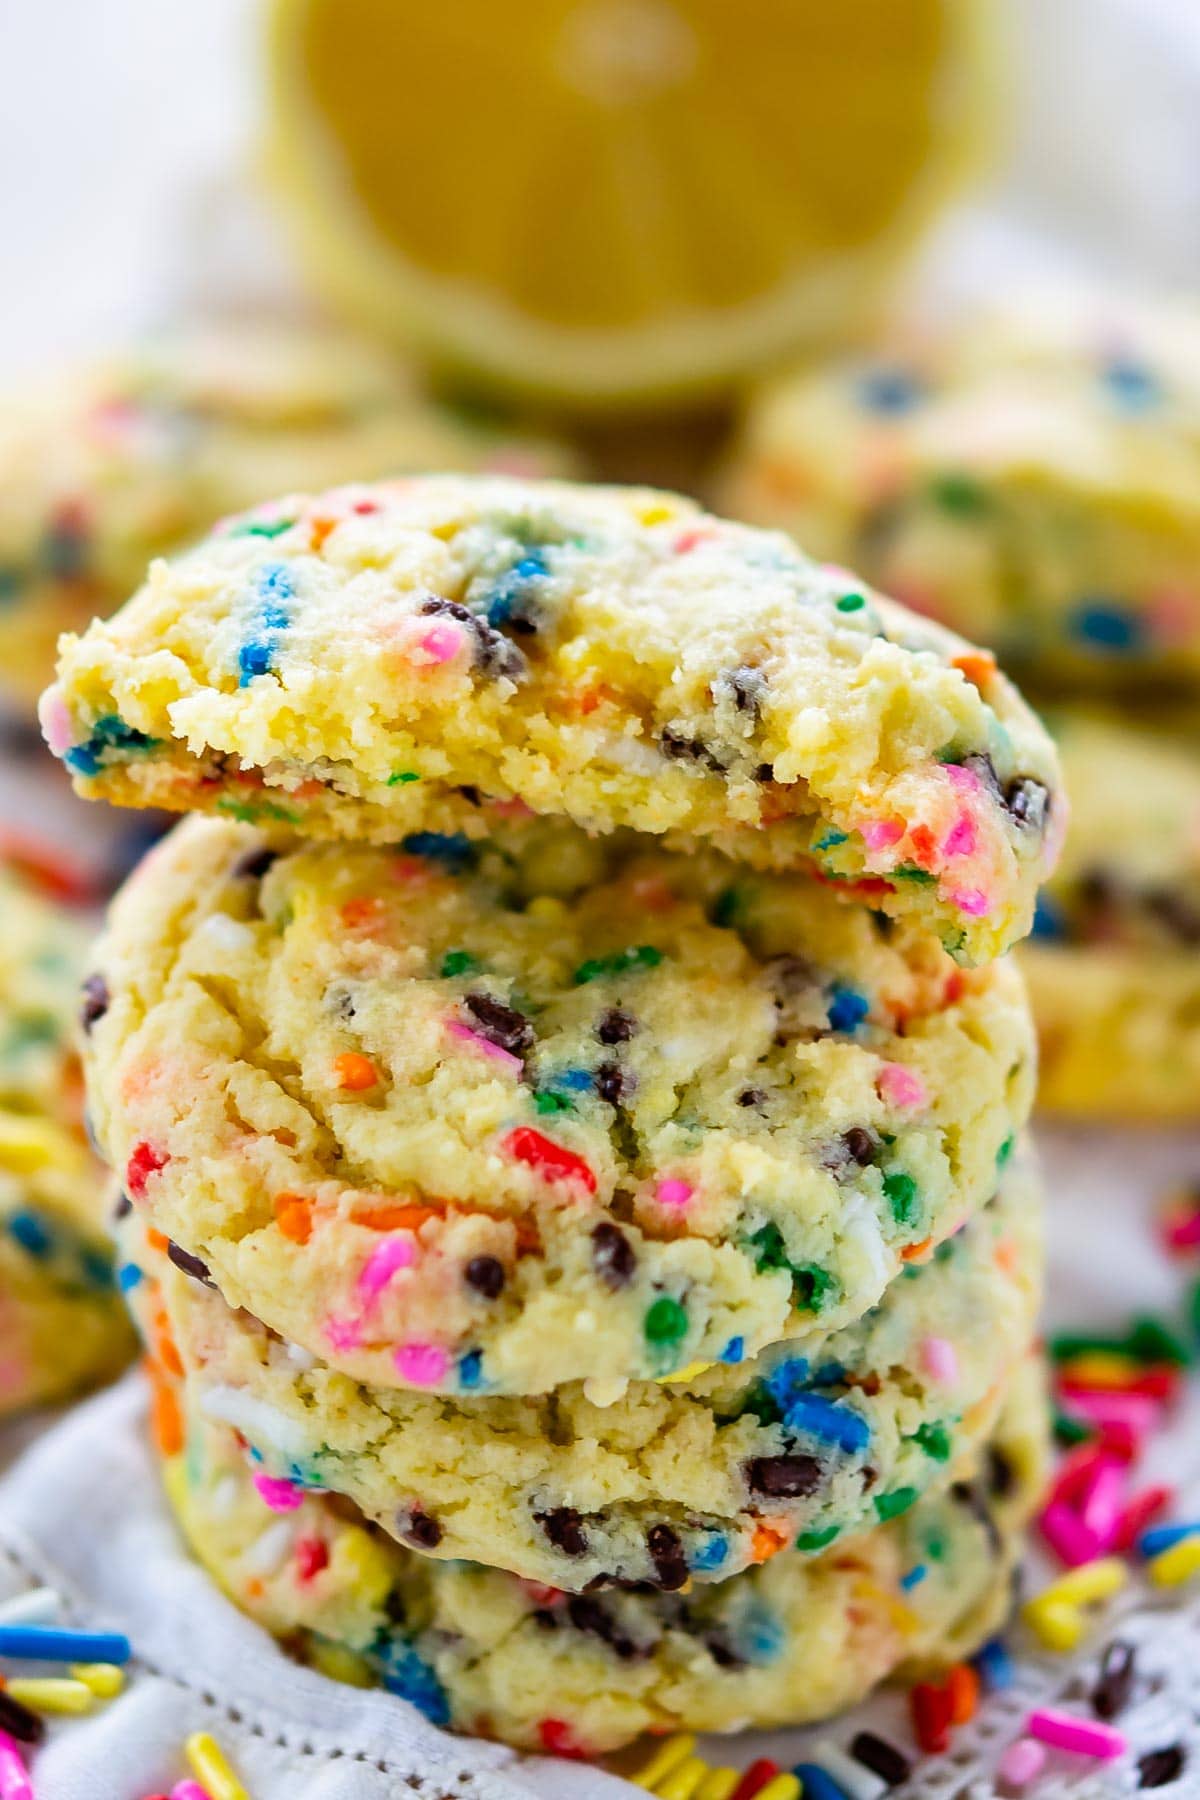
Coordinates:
(312, 1555)
(1141, 1511)
(552, 1161)
(755, 1779)
(559, 1739)
(143, 1163)
(932, 1713)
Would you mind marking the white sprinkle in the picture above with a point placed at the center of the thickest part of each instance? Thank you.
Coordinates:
(859, 1782)
(629, 753)
(604, 1390)
(227, 933)
(860, 1227)
(268, 1553)
(224, 1497)
(301, 1358)
(260, 1423)
(40, 1606)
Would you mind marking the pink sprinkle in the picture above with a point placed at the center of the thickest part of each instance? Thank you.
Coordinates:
(280, 1495)
(972, 901)
(1066, 1731)
(881, 834)
(393, 1254)
(1183, 1233)
(965, 780)
(1079, 1469)
(14, 1782)
(512, 809)
(440, 644)
(962, 837)
(939, 1360)
(1021, 1763)
(1067, 1535)
(901, 1086)
(343, 1334)
(422, 1365)
(189, 1790)
(1100, 1512)
(673, 1192)
(1136, 1413)
(56, 721)
(485, 1046)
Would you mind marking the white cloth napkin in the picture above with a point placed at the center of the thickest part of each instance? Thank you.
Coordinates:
(80, 1510)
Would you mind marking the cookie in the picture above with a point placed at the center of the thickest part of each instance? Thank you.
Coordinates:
(1114, 963)
(487, 1653)
(675, 1482)
(62, 1326)
(488, 1116)
(409, 659)
(125, 460)
(1033, 480)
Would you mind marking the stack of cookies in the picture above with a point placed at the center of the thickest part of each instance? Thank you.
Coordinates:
(566, 1088)
(1033, 479)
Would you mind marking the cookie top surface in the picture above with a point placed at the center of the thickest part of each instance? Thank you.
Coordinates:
(495, 1116)
(1032, 479)
(124, 459)
(384, 661)
(482, 1651)
(684, 1480)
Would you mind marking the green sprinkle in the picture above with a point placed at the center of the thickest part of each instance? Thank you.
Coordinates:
(643, 956)
(935, 1547)
(829, 840)
(890, 1506)
(1193, 1312)
(770, 1249)
(812, 1286)
(401, 776)
(725, 908)
(934, 1440)
(903, 1196)
(666, 1322)
(458, 962)
(851, 603)
(958, 494)
(910, 872)
(1068, 1432)
(1005, 1151)
(251, 813)
(264, 528)
(817, 1540)
(546, 1102)
(1152, 1341)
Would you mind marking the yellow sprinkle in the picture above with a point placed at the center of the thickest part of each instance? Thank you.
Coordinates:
(903, 1618)
(718, 1784)
(27, 1144)
(1100, 1368)
(104, 1679)
(52, 1694)
(546, 908)
(682, 1782)
(211, 1769)
(780, 1787)
(688, 1374)
(668, 1756)
(1093, 1581)
(1176, 1565)
(1056, 1626)
(341, 1664)
(360, 1566)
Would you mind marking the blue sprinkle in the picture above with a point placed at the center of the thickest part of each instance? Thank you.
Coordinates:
(511, 586)
(1107, 625)
(788, 1382)
(275, 590)
(30, 1233)
(576, 1081)
(829, 840)
(1165, 1537)
(847, 1009)
(452, 849)
(50, 1643)
(128, 1276)
(407, 1674)
(829, 1421)
(711, 1554)
(817, 1783)
(829, 1374)
(914, 1577)
(1049, 920)
(470, 1369)
(97, 1267)
(759, 1636)
(1131, 384)
(995, 1666)
(108, 733)
(734, 1350)
(256, 1456)
(889, 391)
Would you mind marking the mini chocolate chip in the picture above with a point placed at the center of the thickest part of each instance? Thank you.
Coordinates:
(968, 1495)
(861, 1144)
(486, 1275)
(612, 1256)
(984, 770)
(883, 1759)
(419, 1528)
(751, 1097)
(591, 1616)
(471, 795)
(784, 1477)
(615, 1026)
(124, 1206)
(96, 1001)
(544, 1620)
(722, 1655)
(666, 1553)
(254, 864)
(748, 686)
(1117, 1667)
(612, 1083)
(499, 1024)
(1028, 802)
(493, 652)
(1001, 1475)
(765, 772)
(191, 1265)
(789, 975)
(564, 1528)
(1157, 1768)
(685, 749)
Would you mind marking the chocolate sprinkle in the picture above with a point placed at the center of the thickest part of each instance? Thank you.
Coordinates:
(666, 1553)
(685, 749)
(494, 654)
(612, 1083)
(486, 1275)
(615, 1026)
(883, 1759)
(612, 1256)
(1117, 1666)
(96, 1001)
(784, 1477)
(1028, 802)
(191, 1265)
(1158, 1768)
(564, 1528)
(419, 1528)
(751, 1097)
(591, 1616)
(254, 864)
(499, 1024)
(19, 1721)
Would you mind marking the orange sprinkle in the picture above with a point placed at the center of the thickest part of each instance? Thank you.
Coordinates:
(320, 528)
(921, 845)
(956, 987)
(157, 1240)
(293, 1215)
(254, 1588)
(1006, 1256)
(767, 1542)
(355, 1072)
(166, 1420)
(363, 910)
(164, 1344)
(962, 1685)
(396, 1217)
(978, 666)
(917, 1252)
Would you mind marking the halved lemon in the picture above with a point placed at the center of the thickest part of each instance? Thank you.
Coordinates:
(605, 201)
